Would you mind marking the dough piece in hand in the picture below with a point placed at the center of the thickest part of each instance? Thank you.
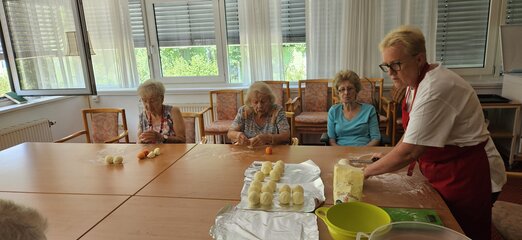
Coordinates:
(109, 159)
(298, 198)
(275, 175)
(298, 188)
(118, 160)
(284, 198)
(253, 198)
(266, 199)
(259, 176)
(151, 154)
(284, 188)
(156, 151)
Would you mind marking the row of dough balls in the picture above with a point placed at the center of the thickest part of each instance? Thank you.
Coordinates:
(264, 195)
(109, 159)
(275, 173)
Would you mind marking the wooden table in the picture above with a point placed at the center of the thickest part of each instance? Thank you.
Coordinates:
(80, 167)
(68, 216)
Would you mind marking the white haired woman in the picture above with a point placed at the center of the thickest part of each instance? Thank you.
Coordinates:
(158, 123)
(260, 121)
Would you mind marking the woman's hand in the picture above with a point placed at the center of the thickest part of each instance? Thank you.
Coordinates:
(150, 137)
(241, 139)
(260, 140)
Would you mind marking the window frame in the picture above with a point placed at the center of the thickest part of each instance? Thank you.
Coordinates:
(154, 53)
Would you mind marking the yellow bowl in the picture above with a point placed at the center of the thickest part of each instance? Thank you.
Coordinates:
(345, 220)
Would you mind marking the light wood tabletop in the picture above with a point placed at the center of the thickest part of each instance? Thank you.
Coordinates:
(68, 216)
(159, 218)
(80, 167)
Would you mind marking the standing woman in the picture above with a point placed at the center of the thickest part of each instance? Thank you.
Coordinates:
(351, 123)
(260, 121)
(445, 131)
(159, 123)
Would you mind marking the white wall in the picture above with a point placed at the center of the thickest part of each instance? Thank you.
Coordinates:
(65, 111)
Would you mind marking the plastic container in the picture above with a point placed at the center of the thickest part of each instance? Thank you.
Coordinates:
(412, 231)
(345, 220)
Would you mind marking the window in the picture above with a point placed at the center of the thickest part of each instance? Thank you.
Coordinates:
(4, 75)
(38, 41)
(464, 41)
(514, 12)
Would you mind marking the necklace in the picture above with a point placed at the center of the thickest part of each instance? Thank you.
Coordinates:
(161, 124)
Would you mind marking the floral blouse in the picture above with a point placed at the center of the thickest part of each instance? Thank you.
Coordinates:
(275, 123)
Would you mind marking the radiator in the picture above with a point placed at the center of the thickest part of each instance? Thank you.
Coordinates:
(34, 131)
(197, 107)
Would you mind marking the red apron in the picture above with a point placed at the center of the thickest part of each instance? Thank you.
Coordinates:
(461, 176)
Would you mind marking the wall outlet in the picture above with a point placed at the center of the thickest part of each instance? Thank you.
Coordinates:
(95, 98)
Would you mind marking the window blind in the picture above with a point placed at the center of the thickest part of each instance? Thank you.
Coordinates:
(514, 12)
(462, 27)
(137, 24)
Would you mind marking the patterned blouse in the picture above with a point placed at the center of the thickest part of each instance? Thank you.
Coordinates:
(275, 123)
(166, 127)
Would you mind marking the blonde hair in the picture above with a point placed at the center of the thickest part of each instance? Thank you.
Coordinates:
(262, 88)
(347, 76)
(151, 88)
(411, 38)
(20, 222)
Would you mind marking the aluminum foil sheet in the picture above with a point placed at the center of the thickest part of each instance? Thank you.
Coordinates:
(235, 223)
(306, 174)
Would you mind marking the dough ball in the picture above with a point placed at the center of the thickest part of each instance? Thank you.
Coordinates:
(109, 159)
(257, 184)
(298, 198)
(259, 176)
(298, 188)
(279, 168)
(284, 188)
(275, 175)
(280, 163)
(267, 165)
(151, 154)
(284, 198)
(267, 188)
(253, 198)
(253, 188)
(266, 198)
(118, 160)
(273, 185)
(156, 151)
(141, 155)
(266, 170)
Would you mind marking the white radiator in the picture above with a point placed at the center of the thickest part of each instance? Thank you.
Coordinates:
(34, 131)
(196, 107)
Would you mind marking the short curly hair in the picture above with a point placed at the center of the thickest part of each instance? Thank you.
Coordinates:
(259, 87)
(21, 222)
(151, 88)
(347, 76)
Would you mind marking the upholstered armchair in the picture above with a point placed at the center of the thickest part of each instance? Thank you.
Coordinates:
(391, 109)
(223, 109)
(101, 125)
(194, 127)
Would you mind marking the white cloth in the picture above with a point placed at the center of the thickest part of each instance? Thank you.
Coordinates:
(446, 111)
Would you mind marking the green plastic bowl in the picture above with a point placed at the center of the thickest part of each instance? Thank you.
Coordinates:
(345, 220)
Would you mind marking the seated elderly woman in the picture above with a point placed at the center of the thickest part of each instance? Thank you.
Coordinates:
(159, 123)
(260, 121)
(351, 123)
(21, 222)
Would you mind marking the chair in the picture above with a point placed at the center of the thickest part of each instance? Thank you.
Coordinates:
(101, 125)
(281, 90)
(311, 106)
(193, 121)
(391, 109)
(223, 109)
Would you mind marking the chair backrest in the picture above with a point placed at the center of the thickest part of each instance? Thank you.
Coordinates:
(102, 124)
(192, 121)
(225, 103)
(281, 90)
(314, 95)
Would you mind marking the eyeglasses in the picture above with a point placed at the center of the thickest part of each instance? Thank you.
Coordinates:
(342, 90)
(395, 66)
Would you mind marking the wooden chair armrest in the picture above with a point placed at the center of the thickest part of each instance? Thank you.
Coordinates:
(67, 138)
(204, 110)
(294, 141)
(203, 140)
(293, 105)
(122, 135)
